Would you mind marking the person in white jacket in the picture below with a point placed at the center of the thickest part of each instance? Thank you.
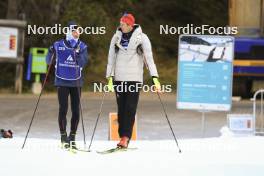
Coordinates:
(129, 50)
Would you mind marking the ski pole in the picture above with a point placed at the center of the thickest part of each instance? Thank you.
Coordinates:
(36, 106)
(163, 107)
(97, 119)
(80, 103)
(84, 138)
(101, 106)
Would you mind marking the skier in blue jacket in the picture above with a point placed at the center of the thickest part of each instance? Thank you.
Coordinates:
(70, 56)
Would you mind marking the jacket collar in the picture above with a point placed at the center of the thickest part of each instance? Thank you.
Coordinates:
(134, 38)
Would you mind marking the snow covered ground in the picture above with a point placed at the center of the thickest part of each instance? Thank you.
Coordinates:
(217, 154)
(225, 155)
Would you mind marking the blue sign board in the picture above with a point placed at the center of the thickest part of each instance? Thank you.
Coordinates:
(205, 72)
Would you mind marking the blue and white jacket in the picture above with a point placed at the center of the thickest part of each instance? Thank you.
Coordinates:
(69, 62)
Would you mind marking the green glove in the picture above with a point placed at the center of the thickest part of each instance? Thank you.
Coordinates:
(156, 83)
(110, 84)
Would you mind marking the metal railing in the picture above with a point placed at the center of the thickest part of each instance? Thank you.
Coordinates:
(258, 118)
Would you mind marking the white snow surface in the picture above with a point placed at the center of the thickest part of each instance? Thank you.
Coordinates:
(226, 155)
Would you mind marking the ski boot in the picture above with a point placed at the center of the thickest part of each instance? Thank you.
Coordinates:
(124, 141)
(71, 138)
(64, 141)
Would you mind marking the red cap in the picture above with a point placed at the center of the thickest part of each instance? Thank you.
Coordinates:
(128, 19)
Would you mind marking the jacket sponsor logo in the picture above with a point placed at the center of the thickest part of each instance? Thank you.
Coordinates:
(69, 58)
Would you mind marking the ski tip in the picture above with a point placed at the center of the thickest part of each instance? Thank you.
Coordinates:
(82, 150)
(113, 150)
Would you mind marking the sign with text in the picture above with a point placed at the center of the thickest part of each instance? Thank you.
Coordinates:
(240, 122)
(205, 71)
(8, 42)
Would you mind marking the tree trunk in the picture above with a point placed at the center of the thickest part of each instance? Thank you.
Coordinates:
(12, 9)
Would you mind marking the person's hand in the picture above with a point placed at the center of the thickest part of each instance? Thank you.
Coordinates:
(156, 84)
(110, 86)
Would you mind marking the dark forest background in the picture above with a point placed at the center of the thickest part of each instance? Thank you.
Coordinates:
(150, 14)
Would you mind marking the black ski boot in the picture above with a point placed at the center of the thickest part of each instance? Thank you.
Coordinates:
(72, 142)
(64, 141)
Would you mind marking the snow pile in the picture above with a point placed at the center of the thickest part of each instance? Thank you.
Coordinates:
(226, 132)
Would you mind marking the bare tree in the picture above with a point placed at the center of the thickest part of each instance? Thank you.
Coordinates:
(12, 9)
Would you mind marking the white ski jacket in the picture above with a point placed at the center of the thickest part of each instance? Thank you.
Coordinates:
(127, 64)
